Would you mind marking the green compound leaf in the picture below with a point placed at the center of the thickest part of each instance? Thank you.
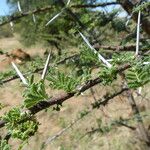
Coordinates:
(7, 74)
(126, 57)
(20, 125)
(108, 75)
(58, 80)
(138, 76)
(88, 57)
(4, 145)
(142, 7)
(34, 93)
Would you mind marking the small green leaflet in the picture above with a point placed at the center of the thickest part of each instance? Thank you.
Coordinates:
(58, 80)
(34, 93)
(138, 76)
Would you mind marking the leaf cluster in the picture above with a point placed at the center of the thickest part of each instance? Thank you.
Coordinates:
(108, 75)
(4, 145)
(58, 80)
(6, 74)
(125, 57)
(142, 7)
(34, 93)
(88, 57)
(138, 75)
(20, 124)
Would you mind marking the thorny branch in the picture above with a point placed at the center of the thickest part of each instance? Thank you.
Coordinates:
(47, 8)
(60, 99)
(24, 14)
(128, 6)
(97, 46)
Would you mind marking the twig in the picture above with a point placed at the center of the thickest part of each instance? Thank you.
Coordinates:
(23, 14)
(38, 69)
(50, 139)
(118, 48)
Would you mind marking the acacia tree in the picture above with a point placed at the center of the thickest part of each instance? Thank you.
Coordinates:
(77, 20)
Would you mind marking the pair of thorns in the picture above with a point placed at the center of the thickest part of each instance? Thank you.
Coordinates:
(23, 79)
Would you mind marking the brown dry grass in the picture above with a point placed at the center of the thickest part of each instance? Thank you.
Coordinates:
(120, 138)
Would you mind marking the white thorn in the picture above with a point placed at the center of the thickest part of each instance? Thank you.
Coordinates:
(109, 60)
(129, 18)
(54, 18)
(33, 16)
(68, 2)
(146, 63)
(138, 34)
(140, 90)
(19, 7)
(11, 24)
(19, 74)
(92, 48)
(82, 93)
(46, 66)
